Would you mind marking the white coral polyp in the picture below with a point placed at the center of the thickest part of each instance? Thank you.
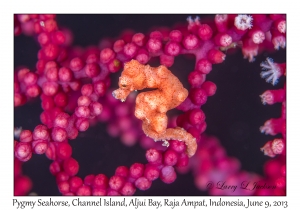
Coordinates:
(268, 128)
(277, 146)
(271, 71)
(243, 22)
(196, 20)
(221, 18)
(193, 22)
(267, 98)
(282, 26)
(250, 54)
(258, 37)
(278, 42)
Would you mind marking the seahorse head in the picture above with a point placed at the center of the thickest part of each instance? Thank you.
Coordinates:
(132, 78)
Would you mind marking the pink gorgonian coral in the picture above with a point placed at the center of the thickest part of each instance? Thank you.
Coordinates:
(74, 138)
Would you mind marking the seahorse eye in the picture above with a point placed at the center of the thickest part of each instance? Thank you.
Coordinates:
(123, 85)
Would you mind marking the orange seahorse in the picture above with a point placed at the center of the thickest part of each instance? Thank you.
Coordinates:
(151, 106)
